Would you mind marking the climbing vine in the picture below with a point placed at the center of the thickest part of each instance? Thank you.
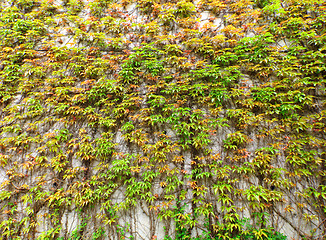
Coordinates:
(206, 118)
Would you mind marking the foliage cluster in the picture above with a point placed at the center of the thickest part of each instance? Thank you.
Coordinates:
(200, 122)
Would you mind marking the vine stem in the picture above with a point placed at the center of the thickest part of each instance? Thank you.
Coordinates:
(287, 221)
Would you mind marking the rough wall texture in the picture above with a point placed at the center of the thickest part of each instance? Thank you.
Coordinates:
(158, 119)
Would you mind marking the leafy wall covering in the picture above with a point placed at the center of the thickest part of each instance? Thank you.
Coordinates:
(206, 118)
